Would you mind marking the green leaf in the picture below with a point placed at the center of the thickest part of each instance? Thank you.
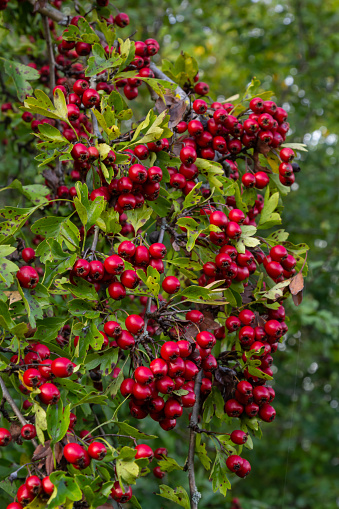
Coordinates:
(202, 453)
(159, 86)
(219, 474)
(104, 360)
(7, 267)
(100, 62)
(82, 289)
(186, 263)
(35, 193)
(109, 221)
(127, 469)
(127, 53)
(15, 218)
(193, 197)
(268, 217)
(276, 291)
(296, 146)
(30, 304)
(22, 75)
(65, 489)
(40, 421)
(6, 250)
(57, 421)
(48, 328)
(81, 307)
(139, 217)
(214, 404)
(60, 228)
(169, 464)
(89, 211)
(87, 33)
(161, 206)
(177, 495)
(127, 429)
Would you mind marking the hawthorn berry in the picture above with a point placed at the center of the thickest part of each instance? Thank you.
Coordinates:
(28, 432)
(27, 277)
(5, 437)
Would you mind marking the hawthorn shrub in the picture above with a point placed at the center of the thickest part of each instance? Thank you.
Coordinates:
(136, 283)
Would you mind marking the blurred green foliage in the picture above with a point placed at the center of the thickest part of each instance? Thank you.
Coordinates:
(293, 48)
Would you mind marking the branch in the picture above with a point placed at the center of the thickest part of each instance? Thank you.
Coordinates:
(50, 52)
(49, 11)
(95, 239)
(15, 409)
(161, 75)
(95, 124)
(195, 495)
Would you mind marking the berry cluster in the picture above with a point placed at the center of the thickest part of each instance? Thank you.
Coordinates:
(171, 350)
(175, 369)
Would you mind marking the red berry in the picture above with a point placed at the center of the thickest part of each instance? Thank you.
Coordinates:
(239, 437)
(233, 408)
(116, 291)
(122, 20)
(143, 375)
(97, 450)
(195, 316)
(247, 317)
(234, 463)
(144, 451)
(274, 269)
(80, 152)
(130, 279)
(24, 496)
(141, 256)
(28, 432)
(81, 268)
(171, 285)
(33, 485)
(267, 413)
(170, 351)
(205, 339)
(125, 340)
(62, 367)
(49, 394)
(114, 265)
(32, 377)
(47, 486)
(200, 106)
(158, 473)
(157, 250)
(165, 385)
(278, 253)
(286, 155)
(112, 329)
(28, 254)
(5, 437)
(118, 494)
(126, 387)
(159, 368)
(28, 277)
(244, 470)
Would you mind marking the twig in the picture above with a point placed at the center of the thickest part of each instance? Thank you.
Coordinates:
(95, 124)
(15, 409)
(49, 11)
(95, 239)
(50, 52)
(100, 427)
(4, 411)
(195, 495)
